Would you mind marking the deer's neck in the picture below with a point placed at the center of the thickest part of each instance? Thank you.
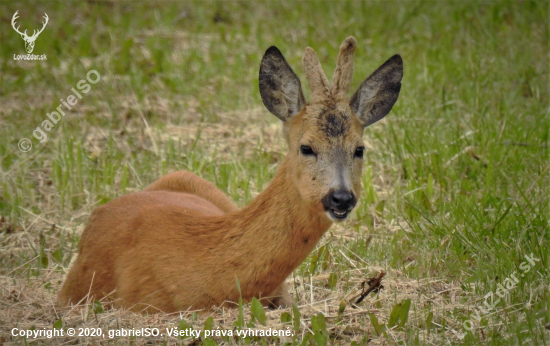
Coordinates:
(273, 235)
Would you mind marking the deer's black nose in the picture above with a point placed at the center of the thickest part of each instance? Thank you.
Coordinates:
(339, 203)
(341, 200)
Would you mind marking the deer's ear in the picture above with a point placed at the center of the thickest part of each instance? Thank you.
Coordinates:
(279, 86)
(378, 93)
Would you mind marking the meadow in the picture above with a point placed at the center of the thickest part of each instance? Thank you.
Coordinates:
(455, 187)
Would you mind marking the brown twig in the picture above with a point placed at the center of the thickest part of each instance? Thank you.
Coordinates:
(373, 285)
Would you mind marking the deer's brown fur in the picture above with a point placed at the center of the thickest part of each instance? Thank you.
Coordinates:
(181, 243)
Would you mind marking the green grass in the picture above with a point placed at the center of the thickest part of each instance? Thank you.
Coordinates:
(456, 189)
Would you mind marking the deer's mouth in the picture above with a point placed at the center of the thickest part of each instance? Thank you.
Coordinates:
(338, 204)
(338, 215)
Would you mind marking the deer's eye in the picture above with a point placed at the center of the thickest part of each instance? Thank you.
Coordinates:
(307, 151)
(359, 152)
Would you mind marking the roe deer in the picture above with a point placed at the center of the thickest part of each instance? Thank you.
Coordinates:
(181, 243)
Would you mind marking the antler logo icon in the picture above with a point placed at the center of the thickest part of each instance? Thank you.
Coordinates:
(29, 40)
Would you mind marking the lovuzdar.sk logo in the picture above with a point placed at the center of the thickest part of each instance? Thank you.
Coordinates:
(29, 40)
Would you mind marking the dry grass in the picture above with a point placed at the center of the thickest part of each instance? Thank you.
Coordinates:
(26, 303)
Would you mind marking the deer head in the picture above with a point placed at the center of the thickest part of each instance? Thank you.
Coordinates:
(325, 135)
(29, 40)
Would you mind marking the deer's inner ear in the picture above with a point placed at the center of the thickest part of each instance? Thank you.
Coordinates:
(280, 88)
(378, 93)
